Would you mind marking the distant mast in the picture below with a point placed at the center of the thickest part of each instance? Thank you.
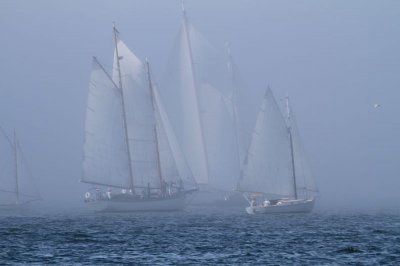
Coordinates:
(16, 167)
(291, 146)
(155, 126)
(234, 104)
(123, 108)
(188, 41)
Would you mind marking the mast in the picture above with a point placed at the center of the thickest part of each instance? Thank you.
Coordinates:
(188, 41)
(16, 167)
(155, 126)
(234, 107)
(123, 107)
(291, 146)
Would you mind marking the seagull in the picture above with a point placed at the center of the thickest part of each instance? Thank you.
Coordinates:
(377, 105)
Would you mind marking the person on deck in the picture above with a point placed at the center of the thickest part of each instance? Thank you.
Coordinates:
(163, 188)
(180, 187)
(148, 190)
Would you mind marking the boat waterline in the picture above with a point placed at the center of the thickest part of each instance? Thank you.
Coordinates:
(284, 206)
(175, 203)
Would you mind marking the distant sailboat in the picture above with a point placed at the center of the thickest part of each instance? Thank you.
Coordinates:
(130, 150)
(16, 183)
(196, 98)
(274, 177)
(234, 198)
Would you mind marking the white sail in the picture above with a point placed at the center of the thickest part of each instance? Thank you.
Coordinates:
(305, 183)
(197, 86)
(140, 118)
(26, 183)
(105, 150)
(182, 104)
(267, 168)
(219, 131)
(244, 125)
(16, 181)
(209, 63)
(8, 185)
(173, 163)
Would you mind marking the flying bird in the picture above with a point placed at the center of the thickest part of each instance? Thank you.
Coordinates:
(377, 105)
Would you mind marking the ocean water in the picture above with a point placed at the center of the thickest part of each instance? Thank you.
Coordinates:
(199, 236)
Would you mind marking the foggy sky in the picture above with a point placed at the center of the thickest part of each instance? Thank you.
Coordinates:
(336, 59)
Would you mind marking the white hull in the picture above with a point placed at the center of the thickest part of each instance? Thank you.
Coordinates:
(140, 205)
(286, 206)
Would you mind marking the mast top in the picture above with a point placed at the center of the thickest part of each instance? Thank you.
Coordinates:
(183, 6)
(116, 32)
(183, 11)
(267, 91)
(287, 107)
(228, 47)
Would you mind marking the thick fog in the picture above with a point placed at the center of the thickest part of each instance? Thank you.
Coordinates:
(336, 59)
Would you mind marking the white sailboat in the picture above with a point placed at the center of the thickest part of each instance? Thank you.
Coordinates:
(17, 189)
(273, 178)
(130, 153)
(196, 90)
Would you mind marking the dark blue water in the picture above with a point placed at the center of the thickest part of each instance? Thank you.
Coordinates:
(203, 236)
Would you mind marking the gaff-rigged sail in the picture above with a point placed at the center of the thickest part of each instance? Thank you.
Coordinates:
(267, 168)
(140, 118)
(129, 142)
(105, 150)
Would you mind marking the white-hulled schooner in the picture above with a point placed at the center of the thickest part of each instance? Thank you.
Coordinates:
(196, 95)
(17, 187)
(275, 176)
(131, 156)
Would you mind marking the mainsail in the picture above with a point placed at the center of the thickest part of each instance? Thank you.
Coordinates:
(140, 118)
(267, 168)
(197, 89)
(105, 150)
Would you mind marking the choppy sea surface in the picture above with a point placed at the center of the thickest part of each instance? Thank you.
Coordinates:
(202, 236)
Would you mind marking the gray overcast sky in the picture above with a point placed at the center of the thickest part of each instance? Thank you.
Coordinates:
(335, 58)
